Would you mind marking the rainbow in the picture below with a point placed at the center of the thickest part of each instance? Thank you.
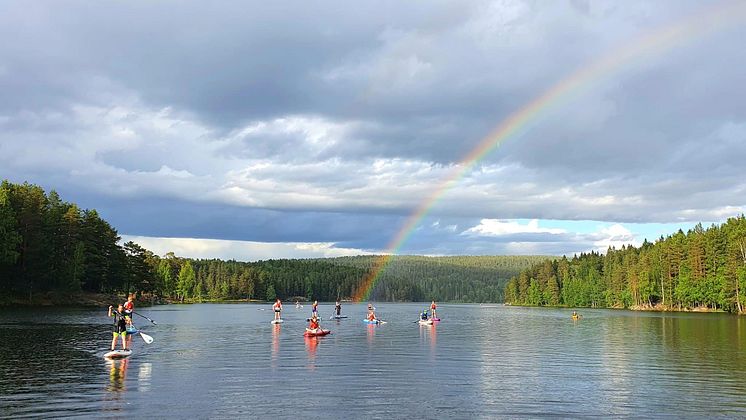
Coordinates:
(522, 120)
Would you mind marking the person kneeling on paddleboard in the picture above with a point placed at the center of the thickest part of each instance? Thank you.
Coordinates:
(277, 307)
(313, 323)
(120, 326)
(423, 315)
(372, 316)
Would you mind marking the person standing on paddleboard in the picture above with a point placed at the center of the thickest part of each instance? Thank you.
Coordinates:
(432, 310)
(338, 308)
(129, 306)
(120, 326)
(315, 308)
(277, 308)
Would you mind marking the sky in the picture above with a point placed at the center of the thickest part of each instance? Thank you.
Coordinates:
(256, 130)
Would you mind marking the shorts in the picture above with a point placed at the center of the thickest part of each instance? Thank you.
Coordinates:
(117, 334)
(277, 310)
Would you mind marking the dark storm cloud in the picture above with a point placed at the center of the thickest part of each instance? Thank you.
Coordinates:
(331, 121)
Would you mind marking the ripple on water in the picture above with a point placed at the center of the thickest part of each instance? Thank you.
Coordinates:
(228, 361)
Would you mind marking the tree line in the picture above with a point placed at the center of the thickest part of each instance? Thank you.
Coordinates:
(448, 279)
(702, 268)
(47, 244)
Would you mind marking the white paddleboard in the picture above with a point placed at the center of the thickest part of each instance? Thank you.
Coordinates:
(428, 322)
(118, 354)
(277, 321)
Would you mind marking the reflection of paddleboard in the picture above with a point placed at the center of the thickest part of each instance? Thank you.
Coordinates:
(118, 354)
(277, 321)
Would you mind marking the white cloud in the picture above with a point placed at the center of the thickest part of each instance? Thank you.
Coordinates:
(496, 227)
(615, 236)
(240, 250)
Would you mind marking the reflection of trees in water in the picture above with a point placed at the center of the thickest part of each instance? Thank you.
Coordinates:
(117, 375)
(31, 346)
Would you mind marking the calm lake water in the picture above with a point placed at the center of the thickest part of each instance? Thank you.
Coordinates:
(228, 361)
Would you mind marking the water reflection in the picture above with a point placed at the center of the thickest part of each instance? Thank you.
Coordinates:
(117, 375)
(487, 363)
(311, 344)
(276, 328)
(143, 377)
(371, 334)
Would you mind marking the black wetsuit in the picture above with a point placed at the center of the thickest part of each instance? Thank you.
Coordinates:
(120, 323)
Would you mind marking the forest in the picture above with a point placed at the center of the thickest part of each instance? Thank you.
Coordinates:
(49, 245)
(702, 269)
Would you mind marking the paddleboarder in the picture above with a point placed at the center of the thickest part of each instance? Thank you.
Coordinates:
(277, 307)
(432, 310)
(129, 306)
(423, 315)
(120, 326)
(338, 308)
(313, 323)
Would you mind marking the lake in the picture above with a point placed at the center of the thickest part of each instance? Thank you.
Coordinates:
(226, 360)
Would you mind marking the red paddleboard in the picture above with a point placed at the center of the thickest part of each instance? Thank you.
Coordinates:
(316, 333)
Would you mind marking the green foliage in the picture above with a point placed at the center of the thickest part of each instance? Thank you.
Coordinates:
(47, 244)
(271, 295)
(187, 281)
(703, 268)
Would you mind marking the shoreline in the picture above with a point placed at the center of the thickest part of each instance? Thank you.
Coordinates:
(636, 308)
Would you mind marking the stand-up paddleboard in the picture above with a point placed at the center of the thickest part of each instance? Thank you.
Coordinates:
(426, 322)
(338, 317)
(118, 354)
(317, 332)
(277, 321)
(435, 319)
(374, 322)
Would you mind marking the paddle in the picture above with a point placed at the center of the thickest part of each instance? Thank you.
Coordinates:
(146, 338)
(144, 317)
